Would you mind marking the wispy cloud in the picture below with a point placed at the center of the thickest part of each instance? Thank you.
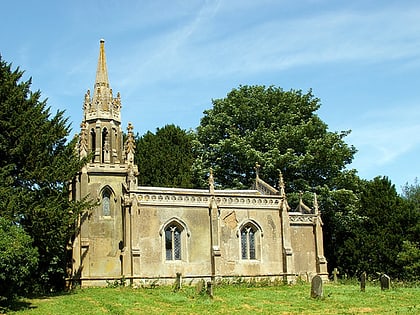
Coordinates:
(383, 136)
(206, 44)
(177, 54)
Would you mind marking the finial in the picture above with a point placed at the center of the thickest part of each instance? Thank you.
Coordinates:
(316, 207)
(257, 170)
(281, 185)
(130, 145)
(102, 40)
(211, 181)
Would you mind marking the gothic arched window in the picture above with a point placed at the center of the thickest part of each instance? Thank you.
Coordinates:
(249, 241)
(106, 203)
(173, 242)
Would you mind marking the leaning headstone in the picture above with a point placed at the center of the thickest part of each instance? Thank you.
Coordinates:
(363, 282)
(316, 287)
(385, 282)
(178, 281)
(210, 289)
(335, 274)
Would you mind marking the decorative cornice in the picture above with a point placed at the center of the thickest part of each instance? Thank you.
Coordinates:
(195, 198)
(298, 218)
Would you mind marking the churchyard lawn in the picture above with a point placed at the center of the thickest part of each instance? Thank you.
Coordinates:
(233, 299)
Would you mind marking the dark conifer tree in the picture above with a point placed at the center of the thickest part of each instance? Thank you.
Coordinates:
(165, 158)
(36, 165)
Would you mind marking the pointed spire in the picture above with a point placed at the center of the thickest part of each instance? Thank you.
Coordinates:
(102, 104)
(101, 70)
(102, 93)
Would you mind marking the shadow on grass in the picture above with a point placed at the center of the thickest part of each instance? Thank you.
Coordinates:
(14, 306)
(22, 303)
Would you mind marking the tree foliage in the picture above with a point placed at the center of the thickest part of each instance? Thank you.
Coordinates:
(373, 243)
(276, 128)
(409, 256)
(341, 216)
(166, 157)
(18, 259)
(36, 163)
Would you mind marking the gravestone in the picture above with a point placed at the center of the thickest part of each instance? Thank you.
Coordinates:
(210, 289)
(335, 273)
(363, 282)
(178, 281)
(385, 282)
(316, 287)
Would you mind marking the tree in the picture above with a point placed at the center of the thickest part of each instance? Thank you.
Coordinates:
(36, 164)
(409, 256)
(374, 243)
(279, 130)
(166, 158)
(18, 259)
(341, 217)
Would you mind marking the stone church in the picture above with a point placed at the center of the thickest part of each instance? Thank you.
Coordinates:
(149, 234)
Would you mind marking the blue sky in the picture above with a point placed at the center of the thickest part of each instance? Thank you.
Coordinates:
(169, 59)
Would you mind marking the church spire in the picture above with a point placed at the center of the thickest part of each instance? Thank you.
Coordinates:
(102, 105)
(101, 127)
(101, 89)
(101, 70)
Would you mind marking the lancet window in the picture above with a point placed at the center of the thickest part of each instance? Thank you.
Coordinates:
(106, 203)
(250, 238)
(173, 242)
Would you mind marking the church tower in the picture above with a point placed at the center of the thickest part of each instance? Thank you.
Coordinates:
(108, 175)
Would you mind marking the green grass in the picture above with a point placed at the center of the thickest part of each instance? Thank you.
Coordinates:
(234, 299)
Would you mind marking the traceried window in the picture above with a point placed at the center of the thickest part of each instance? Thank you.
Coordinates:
(106, 203)
(173, 242)
(248, 242)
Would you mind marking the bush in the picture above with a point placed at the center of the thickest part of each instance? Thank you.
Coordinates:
(409, 258)
(18, 258)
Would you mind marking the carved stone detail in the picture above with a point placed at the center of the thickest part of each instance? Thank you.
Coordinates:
(194, 200)
(302, 218)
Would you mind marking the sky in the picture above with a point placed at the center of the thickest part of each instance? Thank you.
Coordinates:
(170, 59)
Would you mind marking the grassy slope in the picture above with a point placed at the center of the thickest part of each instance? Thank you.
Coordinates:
(338, 299)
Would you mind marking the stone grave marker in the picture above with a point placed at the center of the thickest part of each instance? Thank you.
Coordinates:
(335, 274)
(385, 282)
(210, 289)
(316, 287)
(363, 282)
(178, 282)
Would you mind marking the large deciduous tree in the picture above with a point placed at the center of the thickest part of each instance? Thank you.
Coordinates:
(281, 131)
(166, 157)
(36, 164)
(278, 129)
